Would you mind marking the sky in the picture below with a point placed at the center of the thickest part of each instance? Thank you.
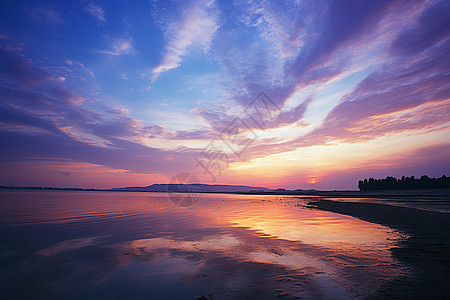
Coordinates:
(277, 94)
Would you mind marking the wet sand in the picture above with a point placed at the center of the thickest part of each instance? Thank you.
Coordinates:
(426, 252)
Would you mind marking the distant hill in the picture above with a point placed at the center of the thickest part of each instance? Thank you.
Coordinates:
(186, 188)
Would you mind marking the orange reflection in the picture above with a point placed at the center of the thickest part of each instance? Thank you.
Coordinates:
(311, 226)
(218, 234)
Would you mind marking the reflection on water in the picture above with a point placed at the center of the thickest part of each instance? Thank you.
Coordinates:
(431, 203)
(138, 245)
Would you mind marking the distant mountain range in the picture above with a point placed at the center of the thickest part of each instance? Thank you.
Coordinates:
(199, 188)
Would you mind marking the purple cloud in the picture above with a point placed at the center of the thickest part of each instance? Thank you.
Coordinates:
(432, 27)
(16, 66)
(41, 117)
(339, 72)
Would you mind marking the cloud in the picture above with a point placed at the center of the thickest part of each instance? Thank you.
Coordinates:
(96, 11)
(43, 118)
(431, 27)
(293, 50)
(46, 15)
(281, 24)
(11, 117)
(333, 47)
(432, 160)
(350, 74)
(119, 46)
(8, 44)
(78, 65)
(195, 27)
(16, 66)
(407, 93)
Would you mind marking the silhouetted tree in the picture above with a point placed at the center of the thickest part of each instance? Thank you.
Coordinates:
(391, 183)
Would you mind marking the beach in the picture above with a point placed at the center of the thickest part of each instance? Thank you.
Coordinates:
(425, 252)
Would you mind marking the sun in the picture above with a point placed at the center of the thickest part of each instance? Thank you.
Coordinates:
(312, 180)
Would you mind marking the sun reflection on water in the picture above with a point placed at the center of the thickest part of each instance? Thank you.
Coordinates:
(248, 246)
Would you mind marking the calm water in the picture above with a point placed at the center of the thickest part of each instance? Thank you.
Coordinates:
(436, 204)
(71, 245)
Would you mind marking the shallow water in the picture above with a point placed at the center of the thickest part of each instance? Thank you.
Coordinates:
(69, 244)
(441, 205)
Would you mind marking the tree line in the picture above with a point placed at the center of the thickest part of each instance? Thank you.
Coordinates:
(391, 183)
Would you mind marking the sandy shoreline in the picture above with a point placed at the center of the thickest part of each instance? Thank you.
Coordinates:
(426, 252)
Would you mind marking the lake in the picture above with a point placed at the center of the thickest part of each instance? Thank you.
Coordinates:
(115, 245)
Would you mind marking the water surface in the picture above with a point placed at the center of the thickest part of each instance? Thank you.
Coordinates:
(114, 245)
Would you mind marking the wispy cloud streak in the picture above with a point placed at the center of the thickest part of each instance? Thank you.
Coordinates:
(96, 11)
(46, 15)
(195, 27)
(119, 46)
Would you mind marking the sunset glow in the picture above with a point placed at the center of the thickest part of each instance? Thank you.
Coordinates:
(131, 93)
